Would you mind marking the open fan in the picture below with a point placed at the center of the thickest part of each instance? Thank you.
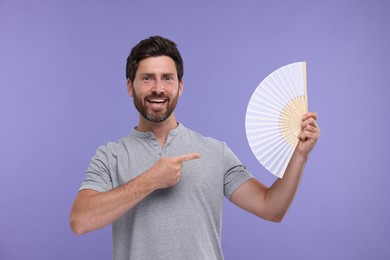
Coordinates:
(274, 114)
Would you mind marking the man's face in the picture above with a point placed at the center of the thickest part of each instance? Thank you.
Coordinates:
(156, 88)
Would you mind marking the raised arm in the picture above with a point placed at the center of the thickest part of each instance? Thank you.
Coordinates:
(272, 203)
(93, 210)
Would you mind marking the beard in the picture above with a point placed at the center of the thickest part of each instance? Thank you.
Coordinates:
(151, 115)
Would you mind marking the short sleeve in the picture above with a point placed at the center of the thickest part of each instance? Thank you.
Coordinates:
(235, 174)
(98, 174)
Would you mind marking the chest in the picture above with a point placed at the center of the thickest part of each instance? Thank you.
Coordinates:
(203, 176)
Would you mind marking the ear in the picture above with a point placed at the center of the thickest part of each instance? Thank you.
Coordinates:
(130, 88)
(181, 87)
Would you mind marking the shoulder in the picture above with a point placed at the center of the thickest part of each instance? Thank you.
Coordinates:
(113, 148)
(195, 136)
(208, 145)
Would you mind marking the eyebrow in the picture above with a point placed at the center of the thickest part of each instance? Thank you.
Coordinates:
(146, 74)
(153, 74)
(168, 74)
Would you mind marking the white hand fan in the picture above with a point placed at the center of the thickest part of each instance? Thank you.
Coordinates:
(274, 116)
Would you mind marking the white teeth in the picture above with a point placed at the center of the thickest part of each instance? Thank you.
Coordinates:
(157, 100)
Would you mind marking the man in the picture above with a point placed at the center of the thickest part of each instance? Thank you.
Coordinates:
(162, 186)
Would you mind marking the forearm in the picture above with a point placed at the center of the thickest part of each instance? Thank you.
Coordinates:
(93, 210)
(272, 203)
(280, 195)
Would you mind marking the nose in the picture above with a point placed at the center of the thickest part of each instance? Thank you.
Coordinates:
(158, 88)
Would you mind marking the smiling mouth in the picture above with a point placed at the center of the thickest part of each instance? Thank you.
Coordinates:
(157, 104)
(156, 100)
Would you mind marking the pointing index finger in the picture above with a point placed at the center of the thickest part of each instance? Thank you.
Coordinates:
(187, 157)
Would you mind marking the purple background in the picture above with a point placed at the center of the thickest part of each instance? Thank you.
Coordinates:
(63, 93)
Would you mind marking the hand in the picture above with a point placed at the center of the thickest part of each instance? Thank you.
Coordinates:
(166, 171)
(309, 134)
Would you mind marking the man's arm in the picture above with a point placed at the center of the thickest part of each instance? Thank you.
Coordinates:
(92, 210)
(272, 203)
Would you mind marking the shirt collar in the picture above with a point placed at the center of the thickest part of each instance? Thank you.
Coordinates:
(149, 134)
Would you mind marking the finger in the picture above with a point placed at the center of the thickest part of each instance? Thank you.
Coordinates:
(188, 157)
(309, 132)
(309, 122)
(311, 128)
(309, 135)
(310, 114)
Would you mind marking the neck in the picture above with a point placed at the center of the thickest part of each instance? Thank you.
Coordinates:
(160, 129)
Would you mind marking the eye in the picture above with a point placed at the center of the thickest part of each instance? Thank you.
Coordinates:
(146, 78)
(168, 78)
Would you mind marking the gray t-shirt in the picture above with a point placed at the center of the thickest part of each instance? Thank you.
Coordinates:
(180, 222)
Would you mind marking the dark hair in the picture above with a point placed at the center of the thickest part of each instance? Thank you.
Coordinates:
(152, 47)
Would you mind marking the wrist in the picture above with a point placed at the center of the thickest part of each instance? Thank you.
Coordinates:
(149, 181)
(143, 183)
(300, 157)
